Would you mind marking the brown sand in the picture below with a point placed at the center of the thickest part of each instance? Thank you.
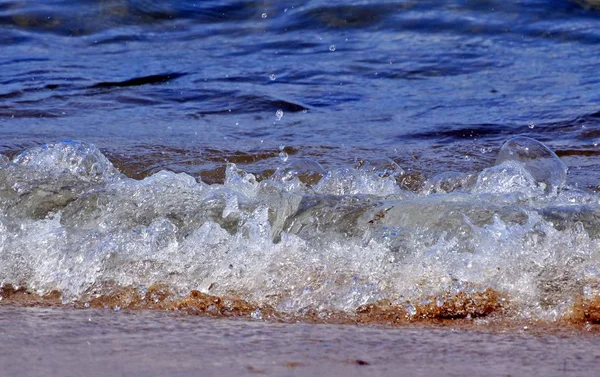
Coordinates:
(455, 310)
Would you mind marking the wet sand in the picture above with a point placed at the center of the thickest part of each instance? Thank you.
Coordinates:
(68, 342)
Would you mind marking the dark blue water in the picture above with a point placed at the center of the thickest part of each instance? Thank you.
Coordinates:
(186, 85)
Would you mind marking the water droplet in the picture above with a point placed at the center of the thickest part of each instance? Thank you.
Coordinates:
(87, 305)
(279, 114)
(264, 15)
(332, 48)
(283, 156)
(272, 77)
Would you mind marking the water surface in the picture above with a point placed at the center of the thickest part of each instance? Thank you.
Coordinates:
(186, 85)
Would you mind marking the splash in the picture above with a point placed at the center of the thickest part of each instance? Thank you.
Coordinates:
(513, 240)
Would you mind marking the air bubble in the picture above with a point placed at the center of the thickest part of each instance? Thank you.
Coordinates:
(264, 15)
(332, 48)
(272, 76)
(543, 164)
(383, 167)
(306, 170)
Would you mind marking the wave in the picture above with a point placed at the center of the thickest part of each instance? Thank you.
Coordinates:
(513, 240)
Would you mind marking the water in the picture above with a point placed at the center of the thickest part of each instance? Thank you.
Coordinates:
(185, 85)
(363, 162)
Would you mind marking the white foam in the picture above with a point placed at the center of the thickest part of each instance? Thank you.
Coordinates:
(355, 237)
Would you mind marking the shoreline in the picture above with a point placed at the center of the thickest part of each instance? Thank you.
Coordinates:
(466, 313)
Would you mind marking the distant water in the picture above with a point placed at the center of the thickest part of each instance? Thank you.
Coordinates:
(393, 159)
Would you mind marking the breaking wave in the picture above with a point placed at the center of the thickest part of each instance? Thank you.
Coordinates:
(512, 240)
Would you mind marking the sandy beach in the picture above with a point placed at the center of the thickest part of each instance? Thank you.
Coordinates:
(70, 342)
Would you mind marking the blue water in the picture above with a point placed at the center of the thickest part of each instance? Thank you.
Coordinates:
(186, 85)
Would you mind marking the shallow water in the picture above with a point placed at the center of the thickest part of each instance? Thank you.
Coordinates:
(308, 160)
(99, 343)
